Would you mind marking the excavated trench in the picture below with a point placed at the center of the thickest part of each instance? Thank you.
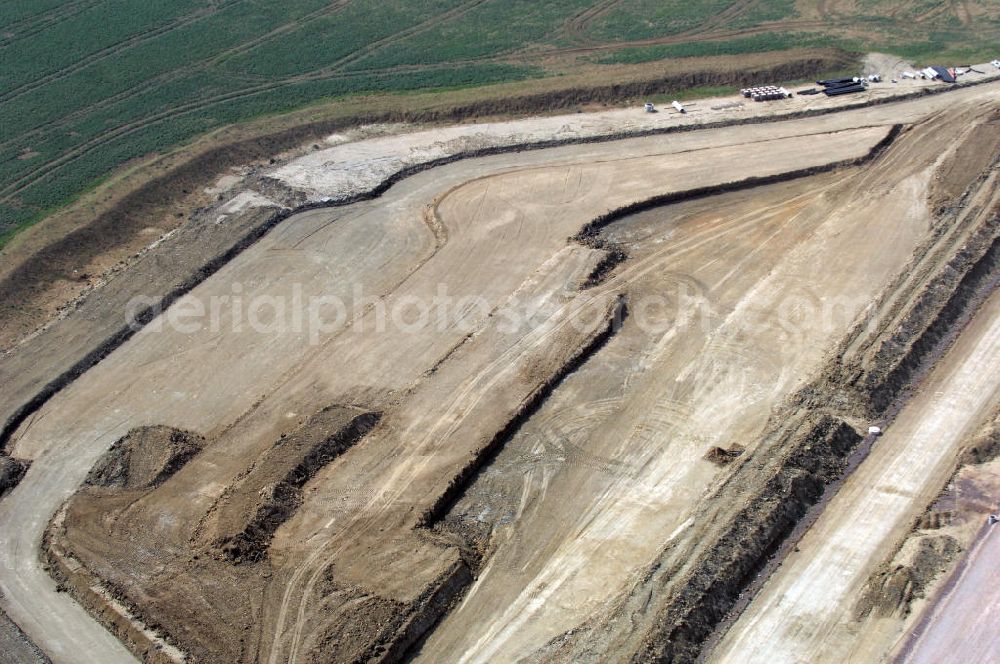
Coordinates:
(460, 483)
(965, 282)
(176, 289)
(273, 498)
(811, 450)
(944, 307)
(431, 609)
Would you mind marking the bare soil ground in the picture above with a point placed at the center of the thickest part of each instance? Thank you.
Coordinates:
(810, 608)
(43, 270)
(89, 327)
(524, 477)
(956, 623)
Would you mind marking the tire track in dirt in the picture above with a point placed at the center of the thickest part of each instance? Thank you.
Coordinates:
(476, 389)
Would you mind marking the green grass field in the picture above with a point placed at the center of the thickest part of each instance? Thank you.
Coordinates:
(87, 85)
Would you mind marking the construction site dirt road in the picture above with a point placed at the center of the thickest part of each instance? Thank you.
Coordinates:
(478, 418)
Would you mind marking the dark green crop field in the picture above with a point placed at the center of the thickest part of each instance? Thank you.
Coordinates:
(87, 85)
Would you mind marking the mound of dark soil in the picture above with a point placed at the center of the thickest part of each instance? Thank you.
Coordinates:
(272, 491)
(144, 458)
(984, 447)
(11, 472)
(893, 588)
(721, 456)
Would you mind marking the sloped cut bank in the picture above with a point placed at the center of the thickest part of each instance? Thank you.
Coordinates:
(792, 478)
(237, 532)
(138, 462)
(272, 491)
(143, 460)
(779, 491)
(431, 523)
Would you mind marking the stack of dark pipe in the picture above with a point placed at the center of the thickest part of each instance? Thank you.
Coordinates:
(841, 86)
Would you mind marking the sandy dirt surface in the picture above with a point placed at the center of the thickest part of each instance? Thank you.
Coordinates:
(622, 425)
(354, 163)
(352, 166)
(185, 379)
(633, 426)
(806, 611)
(960, 626)
(355, 553)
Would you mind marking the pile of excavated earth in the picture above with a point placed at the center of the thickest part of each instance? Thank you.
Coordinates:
(555, 390)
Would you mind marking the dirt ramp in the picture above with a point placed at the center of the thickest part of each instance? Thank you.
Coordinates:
(144, 458)
(813, 454)
(252, 510)
(894, 586)
(968, 160)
